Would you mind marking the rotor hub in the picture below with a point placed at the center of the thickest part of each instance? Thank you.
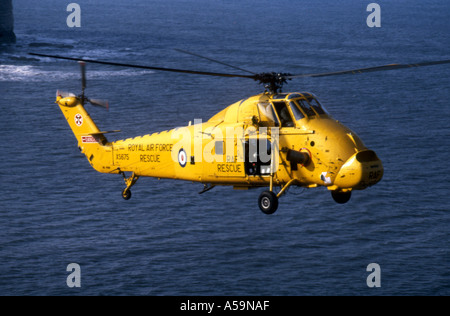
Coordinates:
(272, 81)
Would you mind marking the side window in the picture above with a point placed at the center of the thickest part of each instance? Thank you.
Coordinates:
(219, 147)
(306, 108)
(283, 113)
(297, 113)
(267, 116)
(317, 106)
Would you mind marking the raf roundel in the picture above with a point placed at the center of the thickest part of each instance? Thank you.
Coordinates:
(182, 158)
(78, 119)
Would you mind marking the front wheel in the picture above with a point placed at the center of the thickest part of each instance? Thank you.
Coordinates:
(126, 194)
(268, 202)
(341, 197)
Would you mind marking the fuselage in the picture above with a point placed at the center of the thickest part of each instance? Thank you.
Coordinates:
(250, 143)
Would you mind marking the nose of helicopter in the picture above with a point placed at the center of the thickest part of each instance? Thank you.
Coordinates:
(360, 171)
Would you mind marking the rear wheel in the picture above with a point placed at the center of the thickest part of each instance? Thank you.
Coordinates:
(126, 194)
(341, 197)
(268, 202)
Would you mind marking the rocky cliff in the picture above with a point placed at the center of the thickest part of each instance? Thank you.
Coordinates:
(6, 22)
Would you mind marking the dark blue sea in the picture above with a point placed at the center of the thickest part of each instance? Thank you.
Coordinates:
(167, 239)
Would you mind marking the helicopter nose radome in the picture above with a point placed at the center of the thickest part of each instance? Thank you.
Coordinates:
(360, 171)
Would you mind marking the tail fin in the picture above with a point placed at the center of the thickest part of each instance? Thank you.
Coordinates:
(91, 141)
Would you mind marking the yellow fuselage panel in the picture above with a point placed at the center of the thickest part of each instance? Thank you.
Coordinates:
(331, 144)
(149, 155)
(186, 153)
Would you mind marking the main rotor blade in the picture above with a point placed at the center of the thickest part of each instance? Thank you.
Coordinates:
(371, 69)
(195, 72)
(213, 60)
(83, 76)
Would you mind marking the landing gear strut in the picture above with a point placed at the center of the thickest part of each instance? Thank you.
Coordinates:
(129, 182)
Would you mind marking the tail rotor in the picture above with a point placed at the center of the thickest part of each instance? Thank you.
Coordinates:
(84, 99)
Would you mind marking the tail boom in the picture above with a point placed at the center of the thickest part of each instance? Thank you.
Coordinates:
(91, 141)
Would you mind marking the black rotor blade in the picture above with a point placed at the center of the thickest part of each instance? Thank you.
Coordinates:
(371, 69)
(83, 76)
(213, 60)
(195, 72)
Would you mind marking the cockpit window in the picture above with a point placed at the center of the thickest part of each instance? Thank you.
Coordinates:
(293, 96)
(304, 105)
(296, 111)
(267, 116)
(279, 96)
(317, 106)
(283, 113)
(310, 107)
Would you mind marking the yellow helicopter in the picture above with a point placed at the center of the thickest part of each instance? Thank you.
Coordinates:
(272, 139)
